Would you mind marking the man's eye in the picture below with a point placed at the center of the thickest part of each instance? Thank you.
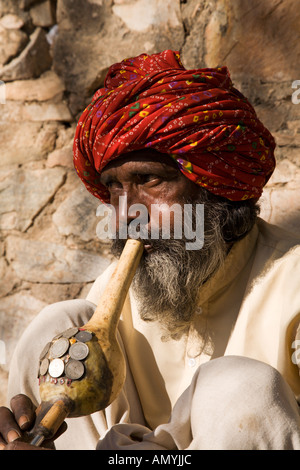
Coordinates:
(110, 185)
(148, 178)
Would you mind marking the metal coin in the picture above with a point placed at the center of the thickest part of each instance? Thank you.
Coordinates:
(79, 351)
(84, 336)
(44, 366)
(74, 369)
(57, 337)
(45, 350)
(56, 368)
(70, 332)
(60, 347)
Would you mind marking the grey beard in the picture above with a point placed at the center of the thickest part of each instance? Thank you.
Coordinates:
(168, 280)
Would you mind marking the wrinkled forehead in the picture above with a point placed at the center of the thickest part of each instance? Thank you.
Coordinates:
(143, 156)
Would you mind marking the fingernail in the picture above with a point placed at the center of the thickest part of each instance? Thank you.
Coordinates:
(23, 421)
(13, 435)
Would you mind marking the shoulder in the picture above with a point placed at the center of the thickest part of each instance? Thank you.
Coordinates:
(100, 283)
(52, 320)
(55, 317)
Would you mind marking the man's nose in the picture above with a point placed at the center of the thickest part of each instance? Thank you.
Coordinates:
(123, 209)
(129, 208)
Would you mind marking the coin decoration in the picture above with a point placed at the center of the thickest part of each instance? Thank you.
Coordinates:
(74, 369)
(59, 347)
(79, 351)
(56, 368)
(84, 336)
(44, 364)
(62, 359)
(70, 332)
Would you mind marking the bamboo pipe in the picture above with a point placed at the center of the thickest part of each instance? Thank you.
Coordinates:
(104, 365)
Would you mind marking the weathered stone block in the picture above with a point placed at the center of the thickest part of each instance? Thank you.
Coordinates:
(140, 15)
(46, 112)
(24, 4)
(44, 88)
(99, 28)
(39, 261)
(11, 21)
(61, 157)
(33, 60)
(22, 142)
(263, 23)
(12, 41)
(76, 215)
(24, 193)
(19, 111)
(43, 14)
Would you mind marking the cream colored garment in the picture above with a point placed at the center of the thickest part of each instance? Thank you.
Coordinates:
(251, 307)
(232, 403)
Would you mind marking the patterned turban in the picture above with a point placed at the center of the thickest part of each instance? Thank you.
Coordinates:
(195, 116)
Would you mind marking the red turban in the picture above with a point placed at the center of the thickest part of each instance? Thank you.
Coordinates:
(195, 116)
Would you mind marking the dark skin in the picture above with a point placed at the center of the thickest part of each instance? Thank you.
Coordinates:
(146, 177)
(15, 422)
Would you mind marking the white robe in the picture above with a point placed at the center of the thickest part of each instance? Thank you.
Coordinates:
(250, 308)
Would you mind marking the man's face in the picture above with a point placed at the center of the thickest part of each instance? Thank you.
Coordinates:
(168, 279)
(148, 178)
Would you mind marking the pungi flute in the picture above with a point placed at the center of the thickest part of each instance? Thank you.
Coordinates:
(83, 369)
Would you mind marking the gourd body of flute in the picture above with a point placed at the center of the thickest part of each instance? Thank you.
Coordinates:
(90, 383)
(102, 381)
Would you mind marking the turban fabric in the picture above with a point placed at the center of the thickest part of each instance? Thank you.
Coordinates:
(195, 116)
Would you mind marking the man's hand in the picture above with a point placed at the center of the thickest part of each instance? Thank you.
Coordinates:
(16, 422)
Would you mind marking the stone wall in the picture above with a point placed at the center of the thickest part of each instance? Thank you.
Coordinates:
(53, 55)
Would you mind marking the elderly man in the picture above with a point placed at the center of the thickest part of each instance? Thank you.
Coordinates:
(209, 335)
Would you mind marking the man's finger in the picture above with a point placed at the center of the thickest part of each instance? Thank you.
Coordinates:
(2, 443)
(24, 411)
(9, 429)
